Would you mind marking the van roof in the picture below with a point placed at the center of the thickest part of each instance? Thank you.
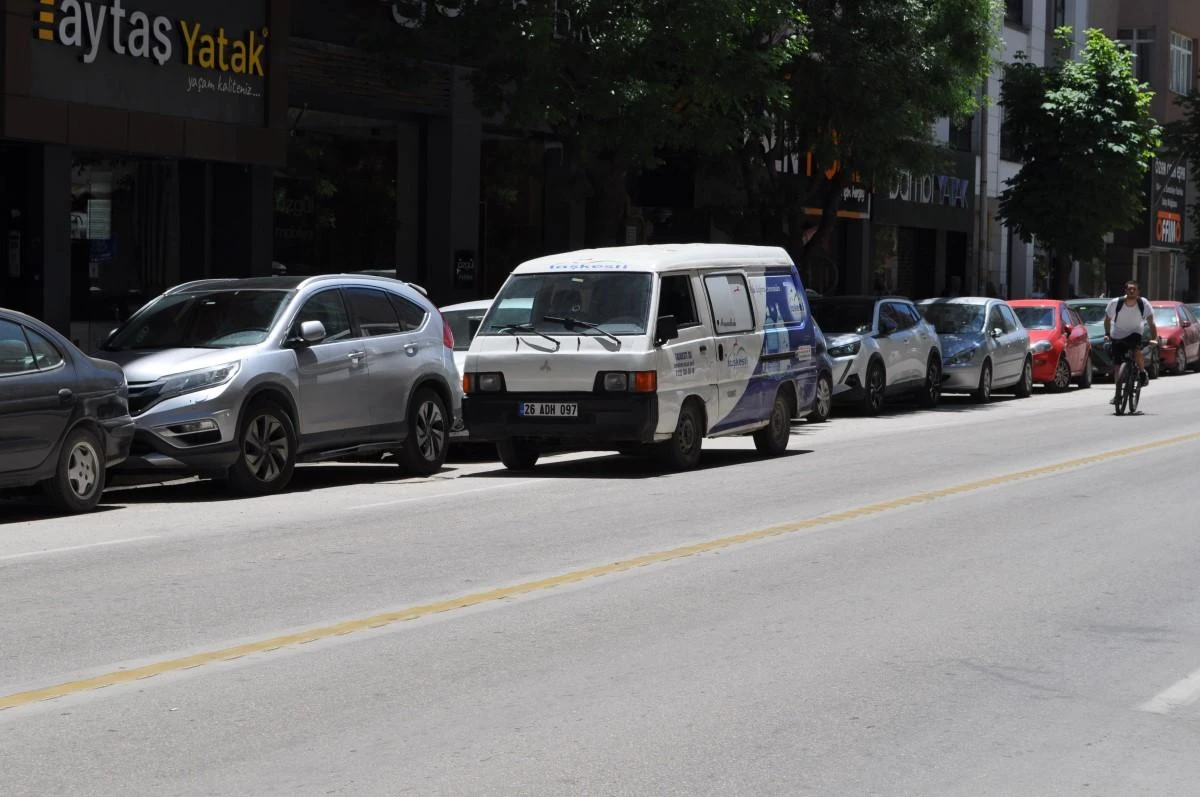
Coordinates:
(658, 257)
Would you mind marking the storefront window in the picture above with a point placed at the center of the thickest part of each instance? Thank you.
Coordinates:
(335, 205)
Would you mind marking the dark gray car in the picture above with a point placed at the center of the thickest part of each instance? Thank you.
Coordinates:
(243, 378)
(64, 417)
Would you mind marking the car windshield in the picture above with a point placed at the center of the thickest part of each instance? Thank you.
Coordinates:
(1090, 313)
(215, 320)
(1165, 317)
(841, 317)
(617, 303)
(954, 318)
(464, 324)
(1036, 317)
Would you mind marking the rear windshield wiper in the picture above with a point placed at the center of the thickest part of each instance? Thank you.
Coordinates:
(571, 323)
(513, 329)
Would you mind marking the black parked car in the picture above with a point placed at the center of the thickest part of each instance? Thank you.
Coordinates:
(64, 416)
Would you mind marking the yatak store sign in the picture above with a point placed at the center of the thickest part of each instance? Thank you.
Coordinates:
(199, 59)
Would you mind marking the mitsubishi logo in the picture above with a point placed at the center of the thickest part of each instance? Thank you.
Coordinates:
(546, 366)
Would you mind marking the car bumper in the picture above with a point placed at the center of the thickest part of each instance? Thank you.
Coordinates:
(118, 439)
(1044, 366)
(601, 419)
(961, 378)
(161, 443)
(847, 382)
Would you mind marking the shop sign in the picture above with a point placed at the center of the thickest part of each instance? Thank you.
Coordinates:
(1168, 202)
(413, 13)
(931, 189)
(203, 59)
(464, 269)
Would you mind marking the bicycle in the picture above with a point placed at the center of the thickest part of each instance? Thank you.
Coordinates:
(1128, 386)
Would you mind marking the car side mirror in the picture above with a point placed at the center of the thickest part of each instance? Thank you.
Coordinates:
(310, 333)
(997, 332)
(1068, 329)
(665, 329)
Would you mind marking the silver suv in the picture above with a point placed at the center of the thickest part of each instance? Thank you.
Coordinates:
(242, 378)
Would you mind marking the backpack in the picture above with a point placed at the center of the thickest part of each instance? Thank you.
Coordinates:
(1121, 303)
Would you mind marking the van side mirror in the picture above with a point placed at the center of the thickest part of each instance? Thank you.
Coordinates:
(310, 333)
(666, 329)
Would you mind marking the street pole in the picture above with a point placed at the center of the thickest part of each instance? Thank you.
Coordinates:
(983, 240)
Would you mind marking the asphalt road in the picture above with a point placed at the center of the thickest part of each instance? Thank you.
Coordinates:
(975, 601)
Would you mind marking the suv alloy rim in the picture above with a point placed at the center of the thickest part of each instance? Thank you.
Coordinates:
(83, 468)
(265, 448)
(431, 431)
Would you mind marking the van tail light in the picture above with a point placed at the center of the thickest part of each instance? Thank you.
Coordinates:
(447, 334)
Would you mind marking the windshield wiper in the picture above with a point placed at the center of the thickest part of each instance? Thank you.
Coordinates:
(513, 329)
(571, 323)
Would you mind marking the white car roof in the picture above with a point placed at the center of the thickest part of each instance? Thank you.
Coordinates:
(658, 257)
(480, 304)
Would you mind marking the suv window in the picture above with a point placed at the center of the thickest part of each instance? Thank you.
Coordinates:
(328, 308)
(373, 312)
(412, 315)
(676, 299)
(896, 312)
(15, 356)
(45, 353)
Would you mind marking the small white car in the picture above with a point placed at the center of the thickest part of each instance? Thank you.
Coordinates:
(881, 347)
(464, 320)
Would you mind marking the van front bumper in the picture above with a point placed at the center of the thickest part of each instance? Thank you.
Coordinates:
(619, 418)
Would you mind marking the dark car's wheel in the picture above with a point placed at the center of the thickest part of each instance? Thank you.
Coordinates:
(79, 479)
(773, 438)
(682, 451)
(424, 450)
(931, 391)
(823, 403)
(1062, 376)
(266, 451)
(1085, 379)
(983, 393)
(1024, 387)
(518, 454)
(874, 388)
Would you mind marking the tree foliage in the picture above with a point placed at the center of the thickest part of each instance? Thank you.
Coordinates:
(1083, 130)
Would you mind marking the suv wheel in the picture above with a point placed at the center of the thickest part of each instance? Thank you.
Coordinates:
(79, 479)
(931, 389)
(266, 451)
(424, 450)
(823, 405)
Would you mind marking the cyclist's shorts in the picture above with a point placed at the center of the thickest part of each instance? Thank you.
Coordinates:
(1125, 344)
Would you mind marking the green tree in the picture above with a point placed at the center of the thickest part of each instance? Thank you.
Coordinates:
(1184, 137)
(863, 97)
(1083, 131)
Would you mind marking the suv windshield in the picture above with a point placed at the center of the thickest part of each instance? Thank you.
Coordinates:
(616, 303)
(1036, 317)
(217, 320)
(954, 319)
(840, 317)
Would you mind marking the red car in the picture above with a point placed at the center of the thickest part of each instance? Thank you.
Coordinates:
(1058, 341)
(1180, 333)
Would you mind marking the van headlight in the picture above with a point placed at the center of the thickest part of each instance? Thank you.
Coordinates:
(201, 379)
(846, 349)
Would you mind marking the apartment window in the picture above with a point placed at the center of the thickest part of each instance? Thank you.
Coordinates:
(1008, 144)
(1059, 13)
(1140, 42)
(1183, 65)
(960, 135)
(1014, 12)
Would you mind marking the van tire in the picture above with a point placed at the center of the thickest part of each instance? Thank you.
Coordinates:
(773, 438)
(517, 453)
(264, 428)
(682, 451)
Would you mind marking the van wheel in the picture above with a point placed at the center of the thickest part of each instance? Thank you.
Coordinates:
(682, 451)
(78, 481)
(266, 451)
(823, 404)
(424, 450)
(518, 454)
(773, 438)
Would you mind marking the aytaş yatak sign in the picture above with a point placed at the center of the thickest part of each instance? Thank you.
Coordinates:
(204, 59)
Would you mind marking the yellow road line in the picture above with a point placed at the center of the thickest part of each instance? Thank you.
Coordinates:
(573, 577)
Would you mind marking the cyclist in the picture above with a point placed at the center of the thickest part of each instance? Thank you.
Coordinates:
(1123, 320)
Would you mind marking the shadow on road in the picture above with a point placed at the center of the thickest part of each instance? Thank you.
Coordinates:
(31, 508)
(617, 466)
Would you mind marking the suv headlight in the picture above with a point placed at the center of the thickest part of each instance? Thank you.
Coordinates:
(846, 349)
(1041, 347)
(963, 357)
(191, 381)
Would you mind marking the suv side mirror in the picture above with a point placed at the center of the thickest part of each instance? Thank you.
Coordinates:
(665, 329)
(310, 333)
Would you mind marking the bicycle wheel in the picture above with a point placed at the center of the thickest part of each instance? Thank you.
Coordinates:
(1134, 390)
(1122, 393)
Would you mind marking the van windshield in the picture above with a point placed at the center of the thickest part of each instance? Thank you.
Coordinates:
(616, 303)
(213, 320)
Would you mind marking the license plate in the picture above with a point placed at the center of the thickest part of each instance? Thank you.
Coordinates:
(538, 409)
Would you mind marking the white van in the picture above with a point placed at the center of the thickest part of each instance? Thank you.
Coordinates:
(626, 347)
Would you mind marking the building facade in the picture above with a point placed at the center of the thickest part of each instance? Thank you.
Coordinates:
(137, 141)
